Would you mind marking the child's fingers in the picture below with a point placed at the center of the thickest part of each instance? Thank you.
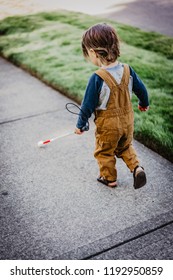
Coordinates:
(78, 131)
(143, 109)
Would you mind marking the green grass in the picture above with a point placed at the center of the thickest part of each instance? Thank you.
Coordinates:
(48, 46)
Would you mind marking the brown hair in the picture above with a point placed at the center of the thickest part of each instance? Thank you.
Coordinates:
(102, 38)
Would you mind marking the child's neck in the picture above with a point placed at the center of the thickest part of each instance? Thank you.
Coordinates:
(109, 65)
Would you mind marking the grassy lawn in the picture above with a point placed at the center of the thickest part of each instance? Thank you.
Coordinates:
(48, 45)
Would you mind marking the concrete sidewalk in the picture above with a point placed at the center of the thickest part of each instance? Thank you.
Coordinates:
(51, 206)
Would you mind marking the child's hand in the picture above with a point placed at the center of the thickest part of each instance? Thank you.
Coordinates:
(78, 131)
(143, 109)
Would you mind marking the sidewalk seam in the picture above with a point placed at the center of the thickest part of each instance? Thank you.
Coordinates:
(27, 117)
(128, 240)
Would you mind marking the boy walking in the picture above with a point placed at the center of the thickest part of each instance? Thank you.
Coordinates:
(108, 95)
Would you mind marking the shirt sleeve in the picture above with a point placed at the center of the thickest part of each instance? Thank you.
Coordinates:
(90, 100)
(139, 89)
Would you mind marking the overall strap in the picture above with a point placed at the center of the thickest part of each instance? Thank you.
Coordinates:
(126, 75)
(119, 101)
(107, 77)
(110, 80)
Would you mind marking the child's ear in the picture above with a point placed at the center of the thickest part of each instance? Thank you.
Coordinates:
(93, 53)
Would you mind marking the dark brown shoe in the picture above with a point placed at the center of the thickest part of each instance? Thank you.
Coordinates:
(107, 183)
(139, 177)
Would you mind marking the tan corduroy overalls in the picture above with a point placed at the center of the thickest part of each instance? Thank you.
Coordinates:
(114, 127)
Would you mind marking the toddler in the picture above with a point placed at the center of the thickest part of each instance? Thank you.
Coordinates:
(108, 96)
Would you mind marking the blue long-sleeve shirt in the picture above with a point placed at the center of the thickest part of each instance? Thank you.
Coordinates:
(92, 93)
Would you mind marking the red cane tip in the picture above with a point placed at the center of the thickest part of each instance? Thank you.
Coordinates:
(46, 142)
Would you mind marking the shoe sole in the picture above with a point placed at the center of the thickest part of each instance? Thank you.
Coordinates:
(106, 184)
(140, 180)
